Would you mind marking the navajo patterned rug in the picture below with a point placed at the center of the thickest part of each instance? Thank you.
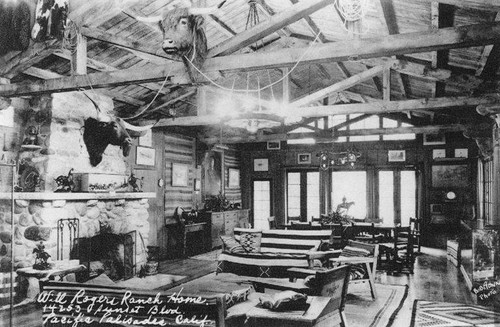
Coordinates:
(441, 314)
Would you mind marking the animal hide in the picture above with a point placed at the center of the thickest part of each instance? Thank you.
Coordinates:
(14, 26)
(51, 19)
(98, 135)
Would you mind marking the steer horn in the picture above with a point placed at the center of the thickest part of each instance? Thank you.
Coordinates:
(135, 131)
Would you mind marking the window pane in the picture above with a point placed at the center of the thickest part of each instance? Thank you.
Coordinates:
(370, 122)
(386, 197)
(408, 196)
(261, 203)
(352, 186)
(293, 195)
(312, 195)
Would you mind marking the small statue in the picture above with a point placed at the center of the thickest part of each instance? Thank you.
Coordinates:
(31, 137)
(65, 183)
(41, 258)
(135, 182)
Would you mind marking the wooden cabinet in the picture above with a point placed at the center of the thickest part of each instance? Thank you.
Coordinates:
(223, 223)
(243, 218)
(230, 222)
(217, 222)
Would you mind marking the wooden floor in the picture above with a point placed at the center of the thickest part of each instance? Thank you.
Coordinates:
(433, 279)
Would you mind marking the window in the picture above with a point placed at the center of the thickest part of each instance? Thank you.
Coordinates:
(386, 197)
(303, 195)
(350, 185)
(487, 206)
(261, 204)
(397, 193)
(312, 195)
(367, 123)
(408, 196)
(293, 195)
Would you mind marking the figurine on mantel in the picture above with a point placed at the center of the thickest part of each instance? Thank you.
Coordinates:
(135, 183)
(65, 183)
(42, 257)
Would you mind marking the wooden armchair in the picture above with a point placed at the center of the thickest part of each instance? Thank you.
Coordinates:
(330, 283)
(364, 256)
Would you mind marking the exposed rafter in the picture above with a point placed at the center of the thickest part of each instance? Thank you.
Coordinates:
(446, 38)
(329, 137)
(356, 108)
(268, 27)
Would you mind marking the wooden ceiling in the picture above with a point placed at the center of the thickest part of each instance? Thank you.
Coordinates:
(424, 62)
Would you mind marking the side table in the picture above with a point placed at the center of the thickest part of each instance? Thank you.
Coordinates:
(33, 277)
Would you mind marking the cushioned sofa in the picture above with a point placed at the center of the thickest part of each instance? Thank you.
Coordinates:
(269, 253)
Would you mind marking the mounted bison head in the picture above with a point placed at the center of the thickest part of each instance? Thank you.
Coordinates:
(99, 134)
(183, 33)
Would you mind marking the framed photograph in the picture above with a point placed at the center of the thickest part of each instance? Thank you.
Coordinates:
(304, 158)
(438, 153)
(261, 164)
(436, 209)
(197, 184)
(396, 155)
(461, 153)
(434, 139)
(147, 139)
(450, 176)
(180, 174)
(273, 145)
(234, 178)
(145, 156)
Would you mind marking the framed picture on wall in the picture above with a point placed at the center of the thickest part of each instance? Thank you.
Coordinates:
(438, 153)
(396, 155)
(179, 174)
(461, 153)
(261, 164)
(304, 158)
(273, 145)
(450, 176)
(434, 139)
(145, 156)
(233, 178)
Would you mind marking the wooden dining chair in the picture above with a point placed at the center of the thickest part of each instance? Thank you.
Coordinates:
(415, 230)
(399, 255)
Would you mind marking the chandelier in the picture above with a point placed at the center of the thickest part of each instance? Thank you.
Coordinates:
(344, 158)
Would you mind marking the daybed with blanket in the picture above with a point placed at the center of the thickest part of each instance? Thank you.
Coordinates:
(269, 253)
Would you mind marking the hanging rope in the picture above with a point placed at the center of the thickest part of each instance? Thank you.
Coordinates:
(264, 87)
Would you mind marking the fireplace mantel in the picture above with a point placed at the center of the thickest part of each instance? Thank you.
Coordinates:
(77, 196)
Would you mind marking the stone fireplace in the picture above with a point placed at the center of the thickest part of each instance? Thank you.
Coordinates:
(60, 118)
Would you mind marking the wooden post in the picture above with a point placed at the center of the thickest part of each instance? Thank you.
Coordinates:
(79, 57)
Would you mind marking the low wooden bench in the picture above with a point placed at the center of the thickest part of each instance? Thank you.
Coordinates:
(64, 303)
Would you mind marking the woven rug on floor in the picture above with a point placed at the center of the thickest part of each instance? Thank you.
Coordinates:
(208, 256)
(362, 311)
(442, 314)
(150, 282)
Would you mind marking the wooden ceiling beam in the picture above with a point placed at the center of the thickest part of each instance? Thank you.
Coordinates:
(486, 52)
(35, 53)
(97, 34)
(487, 5)
(342, 85)
(47, 74)
(355, 108)
(328, 137)
(275, 23)
(103, 67)
(446, 38)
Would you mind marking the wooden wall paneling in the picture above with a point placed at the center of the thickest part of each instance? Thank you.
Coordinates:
(178, 149)
(232, 160)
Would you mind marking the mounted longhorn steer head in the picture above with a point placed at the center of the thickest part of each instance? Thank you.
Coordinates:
(99, 134)
(183, 33)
